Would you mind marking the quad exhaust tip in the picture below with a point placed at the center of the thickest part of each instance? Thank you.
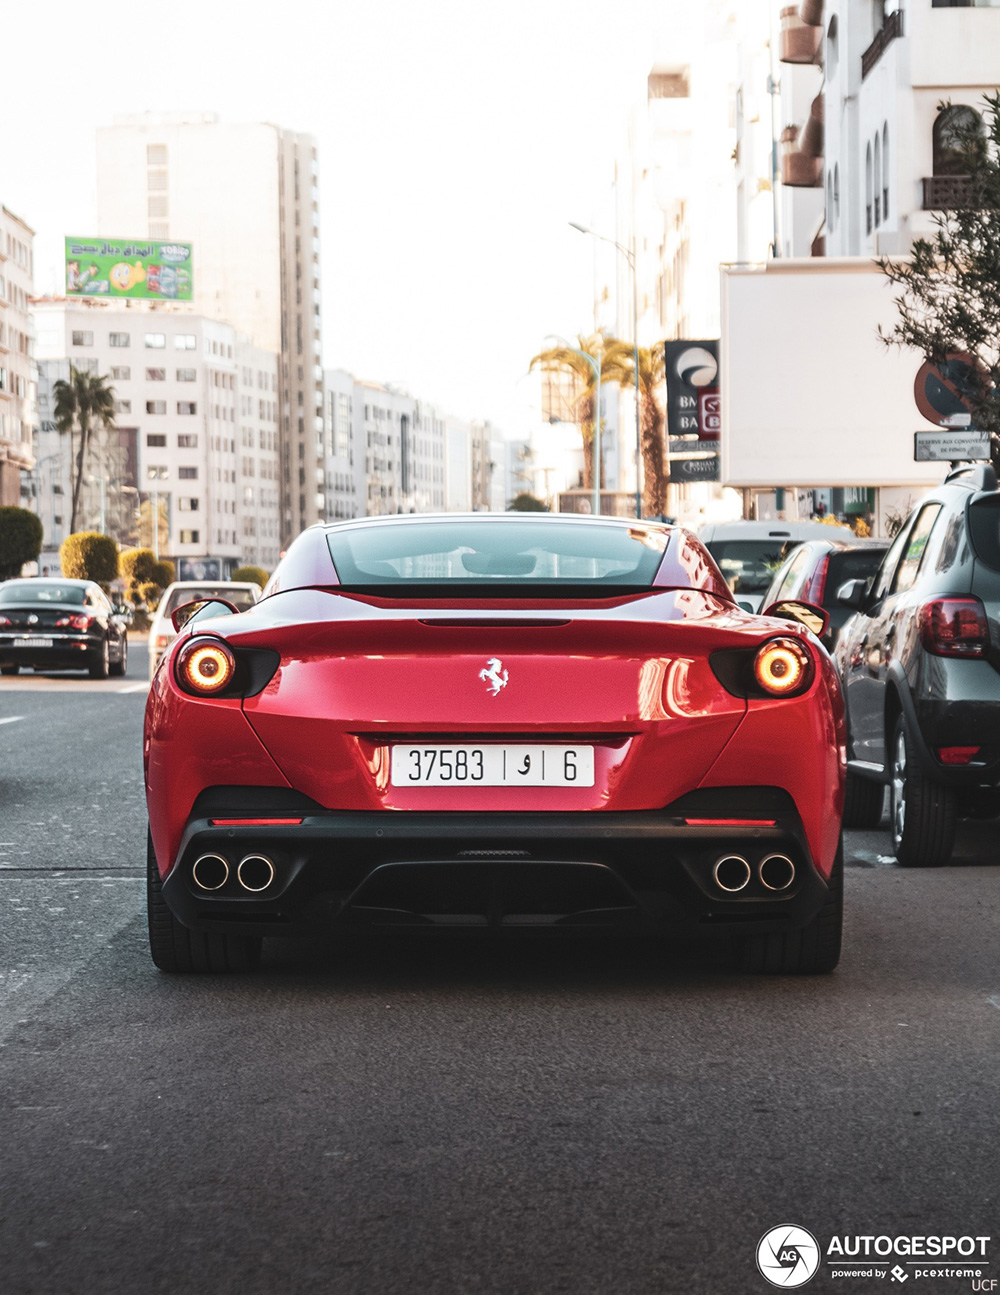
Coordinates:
(255, 872)
(776, 871)
(732, 873)
(210, 871)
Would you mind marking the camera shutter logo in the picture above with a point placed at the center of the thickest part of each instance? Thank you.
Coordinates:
(788, 1256)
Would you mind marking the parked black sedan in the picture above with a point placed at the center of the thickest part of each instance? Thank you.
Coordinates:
(54, 624)
(816, 569)
(920, 665)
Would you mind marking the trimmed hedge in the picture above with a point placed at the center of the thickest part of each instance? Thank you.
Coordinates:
(20, 540)
(256, 574)
(88, 555)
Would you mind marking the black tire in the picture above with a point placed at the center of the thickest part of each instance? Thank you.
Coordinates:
(118, 668)
(922, 812)
(814, 949)
(10, 669)
(862, 801)
(176, 948)
(99, 666)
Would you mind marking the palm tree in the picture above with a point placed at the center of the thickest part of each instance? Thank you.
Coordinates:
(84, 402)
(619, 365)
(564, 359)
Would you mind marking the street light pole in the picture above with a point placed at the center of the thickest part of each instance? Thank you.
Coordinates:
(629, 254)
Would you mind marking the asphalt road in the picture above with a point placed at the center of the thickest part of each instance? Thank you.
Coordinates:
(458, 1116)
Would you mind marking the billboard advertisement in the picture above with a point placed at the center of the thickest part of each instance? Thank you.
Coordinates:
(694, 408)
(128, 267)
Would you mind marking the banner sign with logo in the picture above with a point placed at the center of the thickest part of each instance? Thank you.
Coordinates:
(694, 408)
(128, 267)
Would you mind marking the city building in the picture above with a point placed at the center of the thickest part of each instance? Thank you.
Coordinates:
(192, 467)
(18, 412)
(247, 198)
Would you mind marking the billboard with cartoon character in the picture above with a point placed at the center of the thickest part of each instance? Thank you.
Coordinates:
(125, 267)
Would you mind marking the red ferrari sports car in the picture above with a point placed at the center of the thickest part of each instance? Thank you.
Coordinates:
(502, 721)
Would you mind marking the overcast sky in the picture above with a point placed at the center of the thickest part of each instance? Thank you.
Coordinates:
(456, 140)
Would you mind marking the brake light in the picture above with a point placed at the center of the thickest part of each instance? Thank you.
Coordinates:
(783, 667)
(76, 622)
(958, 754)
(730, 822)
(815, 586)
(205, 667)
(5, 620)
(954, 627)
(254, 822)
(163, 640)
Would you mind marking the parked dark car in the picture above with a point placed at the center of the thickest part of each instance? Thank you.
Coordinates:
(815, 570)
(920, 664)
(55, 624)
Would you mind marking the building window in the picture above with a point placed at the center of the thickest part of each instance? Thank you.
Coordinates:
(877, 188)
(118, 339)
(159, 229)
(156, 406)
(123, 406)
(186, 375)
(885, 171)
(157, 472)
(188, 474)
(156, 341)
(81, 338)
(156, 205)
(121, 373)
(190, 537)
(87, 364)
(156, 181)
(188, 505)
(956, 128)
(156, 375)
(185, 342)
(156, 155)
(836, 192)
(155, 440)
(185, 441)
(187, 407)
(868, 189)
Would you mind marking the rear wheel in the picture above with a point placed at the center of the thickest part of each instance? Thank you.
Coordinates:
(99, 666)
(119, 667)
(813, 950)
(10, 669)
(921, 812)
(862, 801)
(175, 948)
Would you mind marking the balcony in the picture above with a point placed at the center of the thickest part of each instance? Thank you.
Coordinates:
(799, 171)
(946, 192)
(800, 42)
(887, 33)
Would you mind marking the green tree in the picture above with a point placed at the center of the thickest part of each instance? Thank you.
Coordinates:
(20, 540)
(526, 502)
(88, 555)
(249, 573)
(619, 365)
(949, 302)
(565, 359)
(82, 403)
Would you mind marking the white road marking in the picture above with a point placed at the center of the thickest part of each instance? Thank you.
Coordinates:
(11, 719)
(135, 687)
(994, 1001)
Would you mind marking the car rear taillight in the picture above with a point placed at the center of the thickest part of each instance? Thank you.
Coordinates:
(783, 667)
(954, 627)
(164, 640)
(815, 586)
(76, 622)
(205, 667)
(5, 620)
(958, 754)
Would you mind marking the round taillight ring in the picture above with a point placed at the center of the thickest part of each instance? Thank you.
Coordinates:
(783, 667)
(205, 667)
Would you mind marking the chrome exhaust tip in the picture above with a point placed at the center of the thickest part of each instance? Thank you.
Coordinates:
(732, 873)
(210, 871)
(255, 872)
(776, 871)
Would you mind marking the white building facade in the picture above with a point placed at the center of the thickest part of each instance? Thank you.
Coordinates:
(18, 408)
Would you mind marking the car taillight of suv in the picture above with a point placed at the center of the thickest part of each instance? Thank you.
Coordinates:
(954, 627)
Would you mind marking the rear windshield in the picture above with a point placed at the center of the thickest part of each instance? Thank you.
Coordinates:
(242, 599)
(23, 591)
(528, 554)
(854, 564)
(749, 565)
(984, 530)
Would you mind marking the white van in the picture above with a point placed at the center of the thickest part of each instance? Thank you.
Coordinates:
(749, 553)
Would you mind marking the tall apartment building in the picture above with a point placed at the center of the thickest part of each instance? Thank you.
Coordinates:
(196, 443)
(247, 198)
(17, 375)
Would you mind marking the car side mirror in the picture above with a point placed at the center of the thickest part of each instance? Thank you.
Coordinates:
(813, 618)
(123, 610)
(853, 593)
(208, 606)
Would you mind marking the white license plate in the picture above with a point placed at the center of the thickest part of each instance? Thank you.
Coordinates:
(434, 765)
(30, 643)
